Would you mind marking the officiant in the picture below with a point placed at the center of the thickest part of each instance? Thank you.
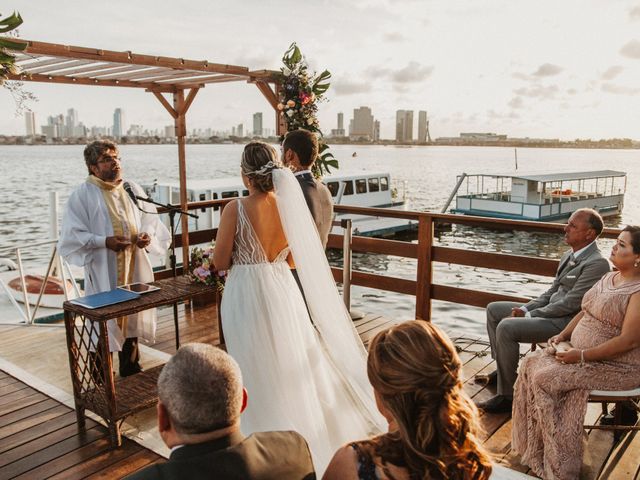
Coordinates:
(106, 232)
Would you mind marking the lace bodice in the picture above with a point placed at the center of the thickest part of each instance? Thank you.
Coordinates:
(247, 249)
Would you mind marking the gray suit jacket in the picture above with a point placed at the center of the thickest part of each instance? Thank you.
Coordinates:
(572, 281)
(320, 203)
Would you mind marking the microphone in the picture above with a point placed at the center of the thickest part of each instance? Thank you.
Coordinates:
(129, 190)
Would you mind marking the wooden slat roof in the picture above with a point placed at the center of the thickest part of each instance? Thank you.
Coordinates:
(48, 62)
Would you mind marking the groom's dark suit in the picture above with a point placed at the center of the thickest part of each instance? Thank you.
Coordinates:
(318, 198)
(260, 456)
(548, 314)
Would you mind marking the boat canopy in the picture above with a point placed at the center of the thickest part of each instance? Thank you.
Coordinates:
(557, 177)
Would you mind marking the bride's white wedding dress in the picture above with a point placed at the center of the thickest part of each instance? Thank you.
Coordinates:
(311, 380)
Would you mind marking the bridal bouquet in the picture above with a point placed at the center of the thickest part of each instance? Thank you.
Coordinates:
(201, 269)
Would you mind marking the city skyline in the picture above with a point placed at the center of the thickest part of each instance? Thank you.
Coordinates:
(523, 68)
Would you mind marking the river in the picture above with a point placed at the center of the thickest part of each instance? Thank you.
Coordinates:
(29, 173)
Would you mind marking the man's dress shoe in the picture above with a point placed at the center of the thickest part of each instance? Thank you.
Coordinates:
(496, 404)
(488, 380)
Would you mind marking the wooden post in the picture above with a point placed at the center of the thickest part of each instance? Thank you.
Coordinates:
(181, 135)
(425, 268)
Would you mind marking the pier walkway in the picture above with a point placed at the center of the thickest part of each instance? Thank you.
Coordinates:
(39, 439)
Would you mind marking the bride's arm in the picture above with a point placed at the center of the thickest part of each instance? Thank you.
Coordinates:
(225, 236)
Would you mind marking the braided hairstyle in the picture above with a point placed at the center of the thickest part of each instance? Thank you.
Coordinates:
(259, 159)
(415, 370)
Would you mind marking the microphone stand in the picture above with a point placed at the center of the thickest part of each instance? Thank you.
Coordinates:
(172, 211)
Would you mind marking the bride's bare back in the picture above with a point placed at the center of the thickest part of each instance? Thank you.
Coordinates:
(262, 212)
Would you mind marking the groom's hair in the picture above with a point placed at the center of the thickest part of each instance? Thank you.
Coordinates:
(304, 143)
(201, 388)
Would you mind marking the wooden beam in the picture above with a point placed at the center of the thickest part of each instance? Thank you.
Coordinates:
(88, 81)
(181, 134)
(165, 103)
(190, 97)
(269, 94)
(425, 269)
(471, 297)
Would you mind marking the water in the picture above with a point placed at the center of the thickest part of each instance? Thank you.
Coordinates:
(30, 173)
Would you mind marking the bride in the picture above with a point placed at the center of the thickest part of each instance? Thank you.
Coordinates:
(299, 378)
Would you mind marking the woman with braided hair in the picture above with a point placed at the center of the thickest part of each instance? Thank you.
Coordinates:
(311, 380)
(415, 373)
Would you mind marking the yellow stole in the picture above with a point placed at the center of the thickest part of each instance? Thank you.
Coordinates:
(124, 224)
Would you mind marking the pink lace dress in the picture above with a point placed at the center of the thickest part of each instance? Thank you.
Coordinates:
(550, 400)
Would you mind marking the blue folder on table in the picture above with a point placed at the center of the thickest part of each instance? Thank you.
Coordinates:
(104, 299)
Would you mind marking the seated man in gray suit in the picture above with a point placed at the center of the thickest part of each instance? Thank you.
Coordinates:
(200, 401)
(510, 324)
(299, 152)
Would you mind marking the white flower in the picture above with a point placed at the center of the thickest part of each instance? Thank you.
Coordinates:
(310, 121)
(290, 112)
(280, 106)
(286, 72)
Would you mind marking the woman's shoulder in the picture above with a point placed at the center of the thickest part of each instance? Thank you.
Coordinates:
(343, 465)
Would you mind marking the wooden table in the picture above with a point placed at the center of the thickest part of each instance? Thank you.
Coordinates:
(94, 385)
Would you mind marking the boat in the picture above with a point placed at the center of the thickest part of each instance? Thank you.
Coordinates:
(53, 295)
(371, 189)
(540, 197)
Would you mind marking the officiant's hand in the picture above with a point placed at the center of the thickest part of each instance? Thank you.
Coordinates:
(143, 240)
(117, 243)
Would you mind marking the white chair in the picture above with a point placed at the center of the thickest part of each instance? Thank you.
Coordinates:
(631, 398)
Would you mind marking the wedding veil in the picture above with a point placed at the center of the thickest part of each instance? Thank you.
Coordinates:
(328, 312)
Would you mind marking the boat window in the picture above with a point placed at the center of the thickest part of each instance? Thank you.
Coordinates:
(214, 196)
(203, 197)
(384, 184)
(348, 187)
(361, 185)
(374, 185)
(229, 194)
(333, 188)
(245, 193)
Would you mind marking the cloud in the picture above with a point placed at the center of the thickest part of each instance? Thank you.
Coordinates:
(620, 89)
(377, 72)
(516, 102)
(634, 13)
(412, 73)
(547, 70)
(631, 49)
(350, 87)
(572, 91)
(394, 37)
(543, 92)
(612, 72)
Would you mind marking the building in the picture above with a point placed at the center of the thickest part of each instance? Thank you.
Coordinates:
(30, 123)
(423, 127)
(376, 131)
(54, 127)
(339, 132)
(404, 126)
(169, 131)
(118, 123)
(361, 127)
(257, 124)
(485, 137)
(240, 130)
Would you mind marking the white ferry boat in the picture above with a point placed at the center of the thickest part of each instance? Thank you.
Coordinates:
(540, 197)
(372, 189)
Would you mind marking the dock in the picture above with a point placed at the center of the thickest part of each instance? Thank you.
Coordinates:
(39, 438)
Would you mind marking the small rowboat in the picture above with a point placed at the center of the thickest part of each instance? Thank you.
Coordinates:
(52, 297)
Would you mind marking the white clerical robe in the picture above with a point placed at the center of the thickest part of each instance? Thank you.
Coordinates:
(85, 226)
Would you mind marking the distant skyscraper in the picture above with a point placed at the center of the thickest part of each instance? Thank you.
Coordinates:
(376, 130)
(240, 130)
(340, 121)
(423, 127)
(362, 126)
(257, 124)
(169, 131)
(118, 123)
(30, 123)
(404, 125)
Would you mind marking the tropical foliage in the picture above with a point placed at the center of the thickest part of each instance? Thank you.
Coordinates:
(300, 94)
(7, 61)
(8, 65)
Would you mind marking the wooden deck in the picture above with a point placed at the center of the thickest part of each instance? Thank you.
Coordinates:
(39, 439)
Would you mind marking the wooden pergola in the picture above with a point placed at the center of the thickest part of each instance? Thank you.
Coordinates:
(161, 76)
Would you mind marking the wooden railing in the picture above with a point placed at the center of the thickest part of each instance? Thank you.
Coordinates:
(427, 253)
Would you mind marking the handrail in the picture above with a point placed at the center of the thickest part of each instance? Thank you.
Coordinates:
(427, 253)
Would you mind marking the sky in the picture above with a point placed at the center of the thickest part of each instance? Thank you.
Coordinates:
(543, 69)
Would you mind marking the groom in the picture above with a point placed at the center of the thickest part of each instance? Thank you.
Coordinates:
(299, 152)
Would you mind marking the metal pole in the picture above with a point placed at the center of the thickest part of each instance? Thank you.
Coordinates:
(453, 192)
(23, 283)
